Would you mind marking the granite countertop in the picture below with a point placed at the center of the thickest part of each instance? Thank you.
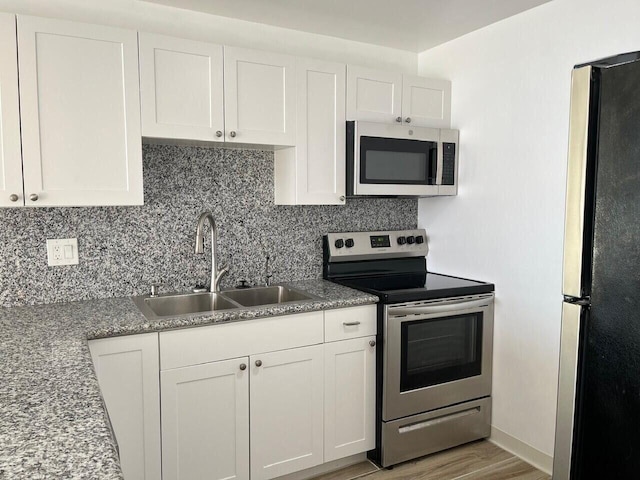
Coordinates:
(52, 418)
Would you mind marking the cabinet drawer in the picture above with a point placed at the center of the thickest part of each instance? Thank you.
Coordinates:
(191, 346)
(350, 322)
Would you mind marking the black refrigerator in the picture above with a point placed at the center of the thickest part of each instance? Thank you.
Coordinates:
(598, 422)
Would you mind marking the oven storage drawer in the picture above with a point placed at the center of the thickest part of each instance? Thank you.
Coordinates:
(351, 322)
(433, 431)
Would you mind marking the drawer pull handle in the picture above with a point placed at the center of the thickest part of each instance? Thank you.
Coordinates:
(438, 420)
(350, 324)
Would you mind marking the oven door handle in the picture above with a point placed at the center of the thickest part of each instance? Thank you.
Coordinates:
(428, 309)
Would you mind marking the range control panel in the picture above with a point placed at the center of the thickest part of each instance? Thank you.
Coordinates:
(352, 246)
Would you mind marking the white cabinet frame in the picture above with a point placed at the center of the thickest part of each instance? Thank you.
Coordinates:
(80, 129)
(181, 88)
(11, 194)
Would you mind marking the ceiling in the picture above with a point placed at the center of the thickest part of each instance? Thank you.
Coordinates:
(413, 25)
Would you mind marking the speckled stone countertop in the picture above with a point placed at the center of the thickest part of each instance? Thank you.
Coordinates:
(52, 418)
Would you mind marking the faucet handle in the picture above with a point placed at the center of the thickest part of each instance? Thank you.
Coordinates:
(218, 275)
(155, 287)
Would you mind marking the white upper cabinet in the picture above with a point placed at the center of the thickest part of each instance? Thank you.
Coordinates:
(313, 173)
(181, 88)
(10, 153)
(373, 95)
(379, 96)
(259, 97)
(80, 113)
(426, 102)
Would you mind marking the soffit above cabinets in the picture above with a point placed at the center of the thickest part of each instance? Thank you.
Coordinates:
(413, 25)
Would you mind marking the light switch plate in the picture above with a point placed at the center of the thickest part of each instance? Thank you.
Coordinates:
(62, 251)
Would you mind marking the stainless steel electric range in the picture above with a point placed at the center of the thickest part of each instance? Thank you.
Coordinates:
(435, 342)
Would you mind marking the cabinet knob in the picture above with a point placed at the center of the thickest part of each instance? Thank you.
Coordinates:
(33, 197)
(258, 363)
(408, 119)
(218, 133)
(243, 366)
(13, 197)
(342, 198)
(232, 134)
(372, 343)
(399, 119)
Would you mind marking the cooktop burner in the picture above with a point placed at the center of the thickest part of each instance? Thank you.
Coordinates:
(392, 265)
(417, 286)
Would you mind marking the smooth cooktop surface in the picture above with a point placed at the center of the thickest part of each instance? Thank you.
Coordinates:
(418, 286)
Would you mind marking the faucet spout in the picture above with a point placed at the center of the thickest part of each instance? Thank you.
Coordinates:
(216, 274)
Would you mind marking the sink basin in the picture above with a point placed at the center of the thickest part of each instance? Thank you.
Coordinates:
(175, 305)
(254, 297)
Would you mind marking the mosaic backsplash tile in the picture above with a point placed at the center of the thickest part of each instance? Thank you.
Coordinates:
(123, 250)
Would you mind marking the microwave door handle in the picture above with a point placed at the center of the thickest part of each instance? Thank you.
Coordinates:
(439, 163)
(428, 309)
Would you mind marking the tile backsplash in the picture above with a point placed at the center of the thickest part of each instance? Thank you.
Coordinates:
(123, 250)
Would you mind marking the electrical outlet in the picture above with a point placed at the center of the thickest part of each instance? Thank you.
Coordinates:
(62, 251)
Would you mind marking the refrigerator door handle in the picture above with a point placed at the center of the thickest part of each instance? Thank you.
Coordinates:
(565, 419)
(576, 181)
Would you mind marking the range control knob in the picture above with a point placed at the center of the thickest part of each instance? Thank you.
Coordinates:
(411, 239)
(402, 240)
(349, 243)
(419, 239)
(339, 243)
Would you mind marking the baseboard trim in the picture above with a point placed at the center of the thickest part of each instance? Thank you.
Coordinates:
(529, 454)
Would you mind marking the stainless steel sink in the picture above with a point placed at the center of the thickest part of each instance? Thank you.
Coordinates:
(154, 307)
(175, 305)
(258, 296)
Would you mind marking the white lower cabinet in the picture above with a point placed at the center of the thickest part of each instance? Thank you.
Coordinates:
(349, 397)
(205, 421)
(286, 411)
(229, 411)
(127, 370)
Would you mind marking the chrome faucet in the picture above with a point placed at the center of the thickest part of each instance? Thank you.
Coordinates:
(216, 275)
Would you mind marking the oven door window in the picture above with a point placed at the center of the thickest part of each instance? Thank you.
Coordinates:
(397, 161)
(440, 350)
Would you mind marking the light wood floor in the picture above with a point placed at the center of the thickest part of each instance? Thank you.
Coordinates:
(475, 461)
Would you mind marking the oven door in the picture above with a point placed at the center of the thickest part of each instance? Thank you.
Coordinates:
(437, 353)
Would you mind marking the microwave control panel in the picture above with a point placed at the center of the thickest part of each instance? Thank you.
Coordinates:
(448, 163)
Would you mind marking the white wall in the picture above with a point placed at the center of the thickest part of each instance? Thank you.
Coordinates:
(511, 85)
(150, 17)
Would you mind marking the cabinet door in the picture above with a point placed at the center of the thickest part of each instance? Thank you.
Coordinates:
(350, 397)
(128, 373)
(10, 153)
(318, 161)
(205, 421)
(373, 95)
(181, 88)
(259, 97)
(286, 411)
(80, 113)
(426, 102)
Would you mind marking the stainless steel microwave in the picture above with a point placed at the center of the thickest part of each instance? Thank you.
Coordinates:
(401, 161)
